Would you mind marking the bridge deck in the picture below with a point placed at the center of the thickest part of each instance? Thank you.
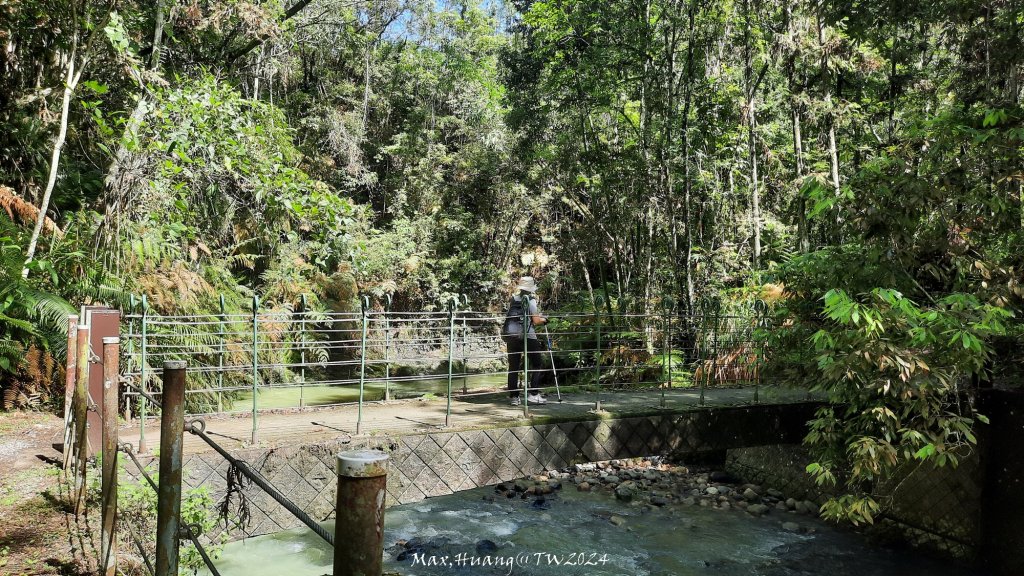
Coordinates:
(400, 417)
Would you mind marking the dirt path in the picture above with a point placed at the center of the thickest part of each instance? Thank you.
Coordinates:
(37, 536)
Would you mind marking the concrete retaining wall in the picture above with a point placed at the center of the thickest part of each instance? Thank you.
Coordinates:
(434, 464)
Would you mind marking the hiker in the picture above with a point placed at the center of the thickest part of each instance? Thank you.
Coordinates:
(512, 332)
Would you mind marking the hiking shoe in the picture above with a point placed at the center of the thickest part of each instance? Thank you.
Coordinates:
(515, 401)
(536, 399)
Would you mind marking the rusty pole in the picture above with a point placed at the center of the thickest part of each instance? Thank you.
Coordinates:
(70, 374)
(172, 428)
(108, 544)
(80, 407)
(359, 518)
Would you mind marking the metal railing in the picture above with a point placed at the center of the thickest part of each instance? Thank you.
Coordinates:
(272, 358)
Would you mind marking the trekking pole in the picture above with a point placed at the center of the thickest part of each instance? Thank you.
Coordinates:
(551, 355)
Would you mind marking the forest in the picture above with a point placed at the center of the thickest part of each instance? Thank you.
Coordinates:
(857, 165)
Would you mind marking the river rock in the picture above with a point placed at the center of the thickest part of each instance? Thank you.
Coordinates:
(781, 506)
(749, 495)
(617, 520)
(791, 526)
(791, 503)
(725, 505)
(610, 479)
(689, 501)
(811, 508)
(757, 509)
(626, 491)
(712, 490)
(774, 493)
(486, 547)
(659, 500)
(720, 476)
(522, 485)
(583, 487)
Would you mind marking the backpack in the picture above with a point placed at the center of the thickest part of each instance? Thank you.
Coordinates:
(513, 326)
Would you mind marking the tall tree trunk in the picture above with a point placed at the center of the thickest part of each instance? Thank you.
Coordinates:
(755, 193)
(71, 79)
(803, 233)
(830, 115)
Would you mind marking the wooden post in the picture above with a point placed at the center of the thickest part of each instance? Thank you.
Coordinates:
(81, 409)
(108, 543)
(70, 376)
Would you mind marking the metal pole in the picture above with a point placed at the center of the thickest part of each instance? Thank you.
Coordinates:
(302, 352)
(362, 364)
(81, 409)
(142, 376)
(451, 346)
(131, 348)
(387, 348)
(667, 353)
(465, 359)
(255, 365)
(597, 358)
(359, 537)
(524, 297)
(71, 373)
(172, 427)
(220, 357)
(108, 543)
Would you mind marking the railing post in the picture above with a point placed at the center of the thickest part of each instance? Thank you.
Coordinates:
(130, 345)
(71, 374)
(667, 352)
(172, 427)
(302, 351)
(451, 346)
(81, 410)
(108, 544)
(142, 374)
(365, 303)
(465, 337)
(220, 356)
(597, 357)
(255, 365)
(387, 348)
(524, 297)
(359, 535)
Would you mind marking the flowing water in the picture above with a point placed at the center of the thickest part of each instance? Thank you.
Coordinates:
(578, 533)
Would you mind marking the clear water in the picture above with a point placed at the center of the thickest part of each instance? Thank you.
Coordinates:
(571, 534)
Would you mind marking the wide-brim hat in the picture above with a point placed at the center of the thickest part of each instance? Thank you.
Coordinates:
(527, 284)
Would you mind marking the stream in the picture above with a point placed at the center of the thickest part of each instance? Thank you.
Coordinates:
(588, 533)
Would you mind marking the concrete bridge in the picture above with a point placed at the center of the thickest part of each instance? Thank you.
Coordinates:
(489, 443)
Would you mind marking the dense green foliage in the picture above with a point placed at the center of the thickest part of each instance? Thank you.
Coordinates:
(856, 164)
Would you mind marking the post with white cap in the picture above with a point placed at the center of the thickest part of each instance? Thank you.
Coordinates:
(359, 517)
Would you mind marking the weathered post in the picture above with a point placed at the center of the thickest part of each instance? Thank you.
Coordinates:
(359, 518)
(70, 375)
(81, 409)
(172, 427)
(527, 324)
(108, 544)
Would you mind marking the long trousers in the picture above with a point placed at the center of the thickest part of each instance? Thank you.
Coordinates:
(515, 364)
